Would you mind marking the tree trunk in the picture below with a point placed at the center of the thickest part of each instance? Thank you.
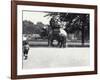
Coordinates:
(82, 35)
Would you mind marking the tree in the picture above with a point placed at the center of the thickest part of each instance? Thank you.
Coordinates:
(31, 28)
(75, 23)
(28, 27)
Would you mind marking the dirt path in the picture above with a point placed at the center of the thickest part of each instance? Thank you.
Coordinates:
(56, 57)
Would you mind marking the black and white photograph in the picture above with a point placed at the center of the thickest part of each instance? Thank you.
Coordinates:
(52, 39)
(55, 39)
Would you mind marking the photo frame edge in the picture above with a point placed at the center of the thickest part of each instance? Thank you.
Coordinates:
(14, 40)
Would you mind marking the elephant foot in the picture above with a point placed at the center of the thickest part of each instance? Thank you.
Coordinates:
(64, 46)
(60, 46)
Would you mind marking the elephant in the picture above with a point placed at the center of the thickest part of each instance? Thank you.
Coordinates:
(57, 32)
(59, 35)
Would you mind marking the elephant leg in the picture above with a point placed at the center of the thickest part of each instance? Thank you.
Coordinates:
(61, 42)
(52, 42)
(64, 41)
(49, 42)
(58, 43)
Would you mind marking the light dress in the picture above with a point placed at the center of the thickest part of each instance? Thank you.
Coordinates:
(63, 32)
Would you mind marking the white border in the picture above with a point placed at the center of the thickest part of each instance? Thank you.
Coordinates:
(21, 71)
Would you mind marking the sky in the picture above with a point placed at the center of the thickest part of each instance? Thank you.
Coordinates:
(36, 17)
